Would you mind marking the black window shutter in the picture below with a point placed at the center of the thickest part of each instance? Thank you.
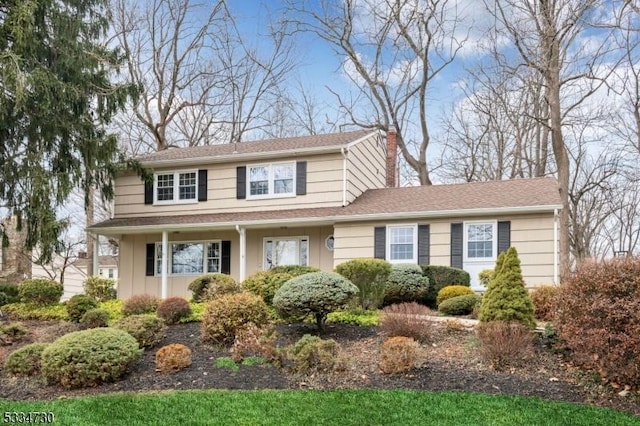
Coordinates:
(202, 185)
(151, 259)
(225, 259)
(241, 183)
(148, 192)
(504, 236)
(301, 178)
(456, 245)
(423, 244)
(380, 242)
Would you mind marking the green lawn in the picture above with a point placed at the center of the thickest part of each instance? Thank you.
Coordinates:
(352, 407)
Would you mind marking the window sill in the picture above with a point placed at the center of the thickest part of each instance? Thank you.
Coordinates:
(170, 203)
(268, 197)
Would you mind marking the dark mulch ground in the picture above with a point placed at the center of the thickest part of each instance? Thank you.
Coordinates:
(450, 362)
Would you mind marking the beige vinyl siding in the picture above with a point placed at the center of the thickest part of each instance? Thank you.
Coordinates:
(132, 267)
(531, 235)
(324, 189)
(366, 167)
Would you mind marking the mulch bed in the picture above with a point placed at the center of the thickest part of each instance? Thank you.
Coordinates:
(451, 363)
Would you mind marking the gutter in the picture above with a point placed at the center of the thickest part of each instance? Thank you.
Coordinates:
(331, 219)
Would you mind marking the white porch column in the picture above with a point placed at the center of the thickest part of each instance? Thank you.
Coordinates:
(96, 254)
(165, 260)
(243, 252)
(556, 280)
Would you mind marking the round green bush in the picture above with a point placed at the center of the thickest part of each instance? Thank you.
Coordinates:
(294, 270)
(89, 357)
(506, 298)
(405, 284)
(210, 286)
(146, 329)
(441, 276)
(78, 305)
(370, 277)
(173, 309)
(318, 293)
(4, 299)
(11, 291)
(140, 304)
(40, 291)
(266, 283)
(26, 360)
(95, 318)
(100, 288)
(313, 353)
(224, 316)
(460, 305)
(452, 291)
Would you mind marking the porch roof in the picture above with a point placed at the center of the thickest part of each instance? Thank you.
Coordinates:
(424, 202)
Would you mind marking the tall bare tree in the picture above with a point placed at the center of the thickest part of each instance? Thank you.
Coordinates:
(546, 35)
(391, 51)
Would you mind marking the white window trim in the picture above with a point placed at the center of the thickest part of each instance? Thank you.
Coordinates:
(285, 238)
(170, 258)
(494, 243)
(414, 259)
(176, 188)
(270, 178)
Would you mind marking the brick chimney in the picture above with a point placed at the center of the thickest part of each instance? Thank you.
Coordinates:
(392, 158)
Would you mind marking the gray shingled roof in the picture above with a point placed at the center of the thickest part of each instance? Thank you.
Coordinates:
(455, 199)
(255, 147)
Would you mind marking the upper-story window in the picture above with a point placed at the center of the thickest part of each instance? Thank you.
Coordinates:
(176, 187)
(271, 180)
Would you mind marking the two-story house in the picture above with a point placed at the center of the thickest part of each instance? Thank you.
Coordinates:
(316, 200)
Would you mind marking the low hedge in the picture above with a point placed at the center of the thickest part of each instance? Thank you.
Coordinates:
(442, 276)
(460, 305)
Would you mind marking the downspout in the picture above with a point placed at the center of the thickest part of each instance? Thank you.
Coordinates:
(345, 154)
(243, 252)
(555, 247)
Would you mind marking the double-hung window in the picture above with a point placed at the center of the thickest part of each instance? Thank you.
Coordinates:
(402, 243)
(286, 251)
(271, 180)
(176, 187)
(480, 241)
(190, 258)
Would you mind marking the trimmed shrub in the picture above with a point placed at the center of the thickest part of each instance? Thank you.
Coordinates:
(370, 277)
(11, 291)
(294, 270)
(598, 317)
(506, 298)
(317, 293)
(485, 277)
(173, 309)
(224, 316)
(140, 304)
(311, 353)
(4, 299)
(26, 360)
(100, 288)
(405, 284)
(505, 344)
(398, 354)
(440, 277)
(78, 305)
(544, 301)
(460, 305)
(40, 291)
(452, 291)
(11, 333)
(266, 283)
(95, 318)
(89, 357)
(210, 286)
(114, 307)
(28, 311)
(356, 316)
(146, 329)
(405, 319)
(254, 341)
(172, 358)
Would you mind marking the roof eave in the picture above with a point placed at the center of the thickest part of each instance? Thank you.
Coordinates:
(325, 220)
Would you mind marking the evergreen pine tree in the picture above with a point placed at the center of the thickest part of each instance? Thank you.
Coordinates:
(506, 298)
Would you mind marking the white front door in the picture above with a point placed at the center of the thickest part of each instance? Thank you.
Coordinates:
(480, 249)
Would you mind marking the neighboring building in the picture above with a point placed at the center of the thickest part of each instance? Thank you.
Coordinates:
(316, 200)
(67, 270)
